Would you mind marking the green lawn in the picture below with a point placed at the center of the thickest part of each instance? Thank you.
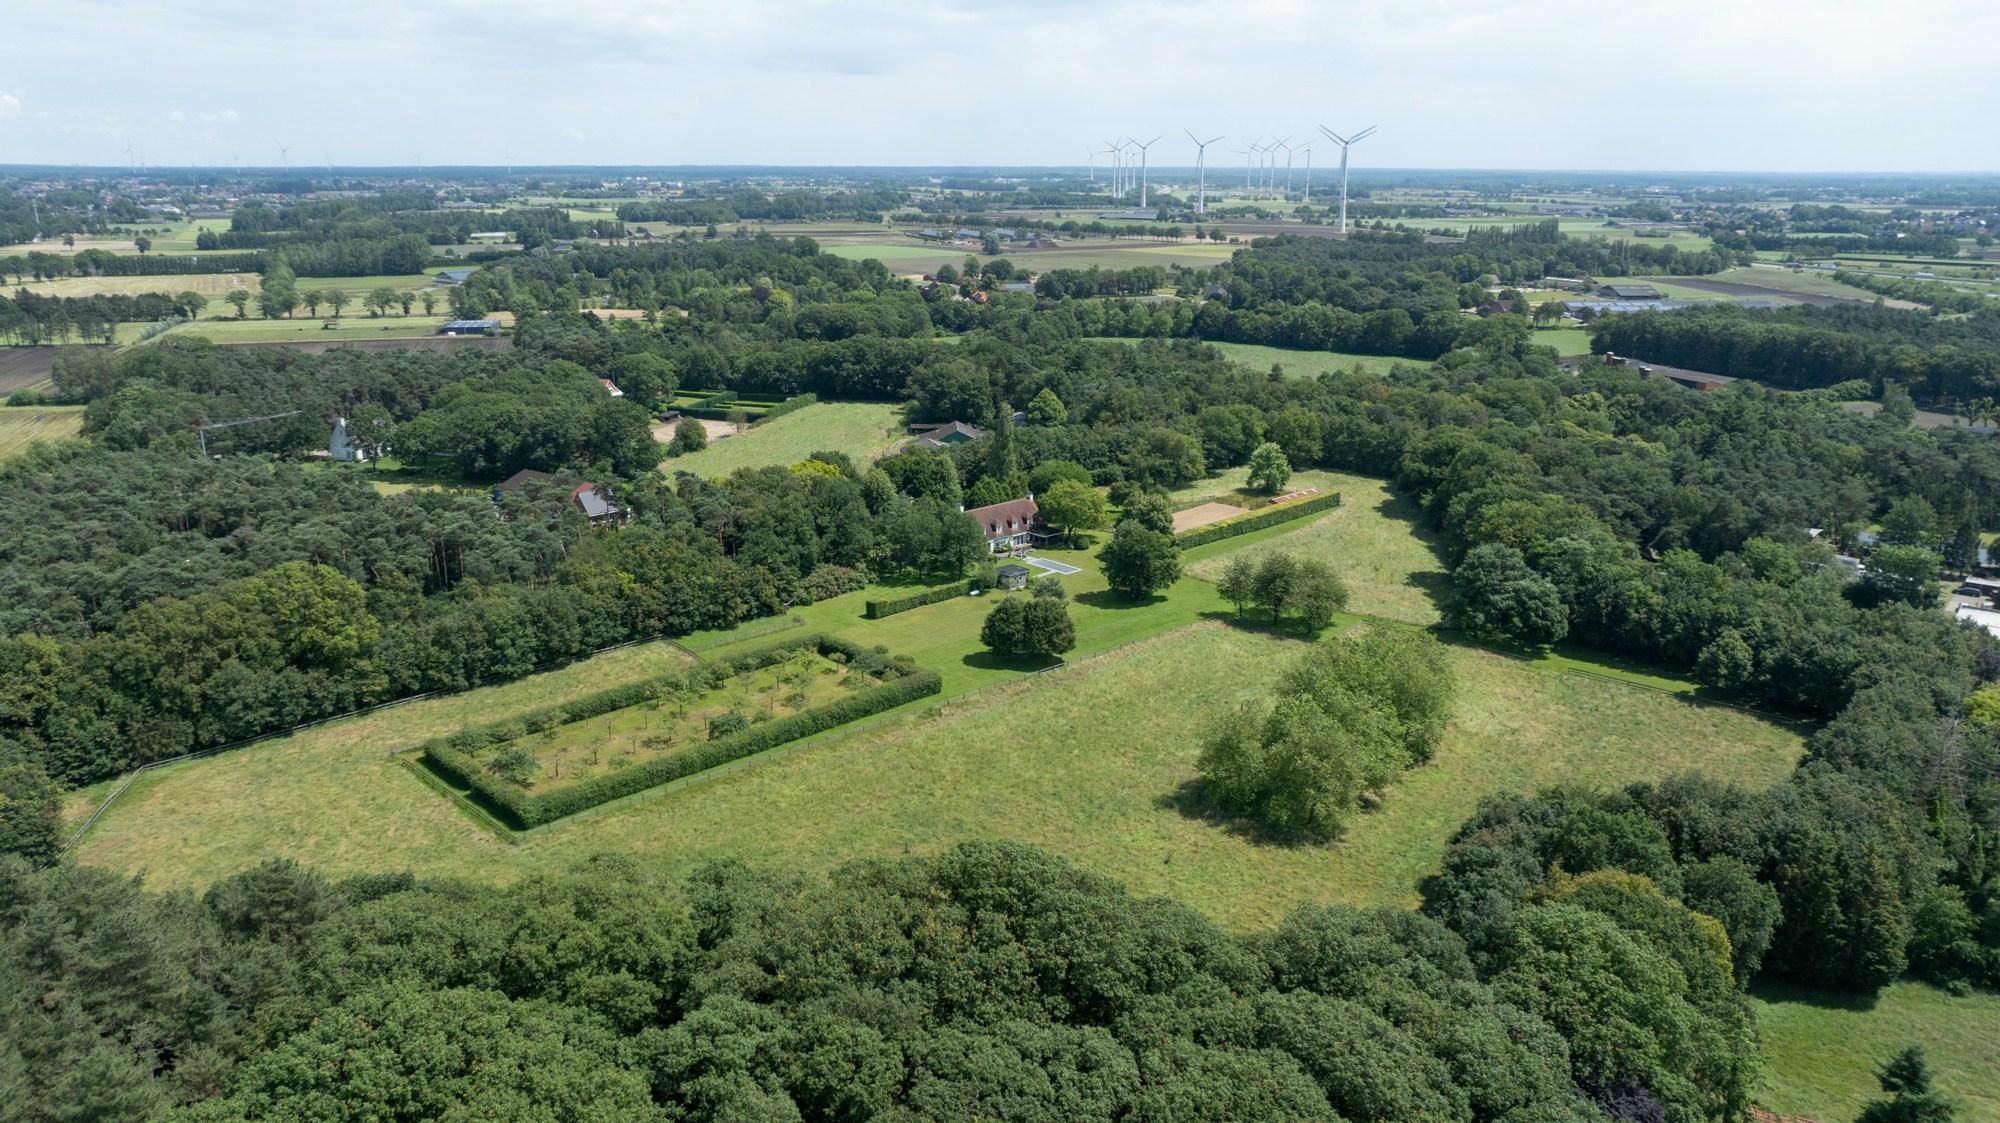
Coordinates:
(1820, 1051)
(1091, 759)
(22, 426)
(863, 430)
(1297, 364)
(1566, 341)
(1369, 540)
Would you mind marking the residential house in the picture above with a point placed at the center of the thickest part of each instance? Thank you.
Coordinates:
(947, 433)
(611, 388)
(1013, 525)
(596, 504)
(517, 481)
(342, 447)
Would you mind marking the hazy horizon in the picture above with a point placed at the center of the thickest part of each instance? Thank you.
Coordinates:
(1782, 88)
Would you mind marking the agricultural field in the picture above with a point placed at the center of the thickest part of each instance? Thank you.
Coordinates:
(1820, 1050)
(307, 329)
(22, 426)
(214, 286)
(168, 238)
(862, 430)
(25, 367)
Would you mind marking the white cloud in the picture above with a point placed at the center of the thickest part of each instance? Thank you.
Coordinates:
(573, 133)
(177, 116)
(10, 105)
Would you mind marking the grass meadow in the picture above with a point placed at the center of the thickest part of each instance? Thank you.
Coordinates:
(1566, 341)
(863, 430)
(22, 426)
(1820, 1050)
(1297, 364)
(1092, 758)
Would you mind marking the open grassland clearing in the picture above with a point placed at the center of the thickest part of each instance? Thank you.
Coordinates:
(1309, 364)
(22, 426)
(1566, 341)
(168, 238)
(1370, 540)
(1821, 1050)
(862, 430)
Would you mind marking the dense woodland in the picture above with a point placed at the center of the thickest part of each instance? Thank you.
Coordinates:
(1582, 955)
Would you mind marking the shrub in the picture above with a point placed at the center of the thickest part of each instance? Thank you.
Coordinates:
(829, 581)
(724, 725)
(877, 609)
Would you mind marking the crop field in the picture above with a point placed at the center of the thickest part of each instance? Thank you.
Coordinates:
(1370, 539)
(307, 329)
(21, 426)
(214, 286)
(1820, 1050)
(1309, 364)
(23, 367)
(1804, 283)
(168, 237)
(862, 430)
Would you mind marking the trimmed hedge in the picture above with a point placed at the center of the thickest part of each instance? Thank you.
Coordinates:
(877, 609)
(1269, 516)
(452, 755)
(790, 405)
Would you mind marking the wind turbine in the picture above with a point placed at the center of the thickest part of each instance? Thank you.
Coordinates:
(1307, 149)
(1091, 155)
(1111, 148)
(285, 156)
(1200, 170)
(1249, 153)
(1142, 168)
(131, 161)
(1345, 142)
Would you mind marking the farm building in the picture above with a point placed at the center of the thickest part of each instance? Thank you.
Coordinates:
(452, 276)
(1013, 525)
(489, 236)
(1679, 376)
(948, 433)
(1600, 307)
(468, 327)
(517, 481)
(1629, 292)
(1566, 284)
(1012, 576)
(341, 447)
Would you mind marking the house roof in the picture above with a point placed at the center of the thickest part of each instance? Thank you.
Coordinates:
(595, 501)
(611, 388)
(520, 479)
(1632, 292)
(1003, 520)
(469, 325)
(453, 276)
(1012, 570)
(1984, 617)
(943, 434)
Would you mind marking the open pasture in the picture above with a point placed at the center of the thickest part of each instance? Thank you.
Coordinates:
(862, 430)
(214, 286)
(1820, 1050)
(302, 328)
(22, 426)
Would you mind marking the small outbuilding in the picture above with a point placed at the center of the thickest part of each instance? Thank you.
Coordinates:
(452, 277)
(1013, 576)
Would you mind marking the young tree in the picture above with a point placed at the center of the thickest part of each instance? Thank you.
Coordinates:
(278, 293)
(1912, 1097)
(379, 300)
(1139, 561)
(514, 764)
(1318, 594)
(1048, 587)
(312, 299)
(1070, 506)
(1151, 510)
(142, 244)
(338, 299)
(1239, 582)
(191, 303)
(430, 300)
(404, 299)
(689, 436)
(1269, 470)
(1047, 409)
(238, 299)
(1276, 583)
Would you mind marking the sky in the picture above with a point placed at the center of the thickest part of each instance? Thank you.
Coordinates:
(1733, 85)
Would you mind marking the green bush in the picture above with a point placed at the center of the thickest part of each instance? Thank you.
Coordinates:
(790, 405)
(877, 609)
(521, 809)
(1269, 516)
